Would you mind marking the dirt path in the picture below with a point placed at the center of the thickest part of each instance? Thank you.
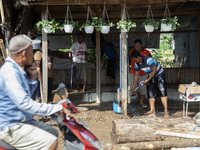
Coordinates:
(99, 117)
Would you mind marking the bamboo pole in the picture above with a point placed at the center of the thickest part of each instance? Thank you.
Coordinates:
(124, 65)
(3, 49)
(98, 66)
(44, 60)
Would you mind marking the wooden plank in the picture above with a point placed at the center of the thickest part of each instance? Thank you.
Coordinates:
(199, 39)
(124, 64)
(101, 2)
(3, 50)
(44, 61)
(98, 64)
(2, 13)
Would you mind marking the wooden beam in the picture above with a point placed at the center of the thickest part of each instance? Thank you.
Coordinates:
(2, 13)
(132, 14)
(124, 64)
(101, 2)
(44, 61)
(98, 64)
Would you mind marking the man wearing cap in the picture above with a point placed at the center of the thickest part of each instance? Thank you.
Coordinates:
(17, 108)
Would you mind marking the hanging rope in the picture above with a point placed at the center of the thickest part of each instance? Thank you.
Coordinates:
(68, 12)
(47, 13)
(89, 12)
(149, 12)
(105, 13)
(166, 12)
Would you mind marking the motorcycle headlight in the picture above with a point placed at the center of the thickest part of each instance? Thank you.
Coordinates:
(96, 144)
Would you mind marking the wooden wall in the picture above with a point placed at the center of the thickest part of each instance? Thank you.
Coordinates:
(174, 76)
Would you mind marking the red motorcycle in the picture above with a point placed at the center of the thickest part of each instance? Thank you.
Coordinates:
(76, 135)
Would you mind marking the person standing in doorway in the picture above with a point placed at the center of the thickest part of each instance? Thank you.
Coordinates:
(142, 75)
(38, 63)
(79, 50)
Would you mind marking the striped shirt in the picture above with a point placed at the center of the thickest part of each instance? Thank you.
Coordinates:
(147, 64)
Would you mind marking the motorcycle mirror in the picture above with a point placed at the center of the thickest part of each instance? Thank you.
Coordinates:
(61, 89)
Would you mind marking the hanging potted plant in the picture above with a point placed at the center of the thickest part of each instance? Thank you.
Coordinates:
(169, 24)
(150, 24)
(49, 26)
(105, 26)
(125, 25)
(69, 25)
(88, 25)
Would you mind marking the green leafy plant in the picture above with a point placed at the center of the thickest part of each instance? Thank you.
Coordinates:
(151, 22)
(73, 23)
(96, 23)
(173, 21)
(45, 23)
(125, 24)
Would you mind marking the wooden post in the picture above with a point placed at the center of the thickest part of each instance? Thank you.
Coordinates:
(98, 63)
(199, 48)
(44, 60)
(3, 49)
(3, 24)
(124, 65)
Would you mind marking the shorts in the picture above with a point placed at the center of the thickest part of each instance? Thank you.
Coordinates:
(142, 89)
(34, 136)
(157, 87)
(81, 71)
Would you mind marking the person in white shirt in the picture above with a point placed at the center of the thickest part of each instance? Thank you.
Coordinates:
(79, 50)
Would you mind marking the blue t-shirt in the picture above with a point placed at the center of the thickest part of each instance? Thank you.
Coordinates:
(147, 64)
(109, 50)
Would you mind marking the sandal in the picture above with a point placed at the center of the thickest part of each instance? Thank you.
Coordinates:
(143, 105)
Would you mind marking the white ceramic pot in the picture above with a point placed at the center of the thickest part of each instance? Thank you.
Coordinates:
(48, 29)
(166, 27)
(68, 28)
(89, 29)
(105, 29)
(125, 30)
(149, 28)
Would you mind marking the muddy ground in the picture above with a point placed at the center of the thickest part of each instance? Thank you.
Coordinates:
(99, 117)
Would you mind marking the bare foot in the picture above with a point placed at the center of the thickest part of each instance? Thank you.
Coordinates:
(150, 112)
(166, 116)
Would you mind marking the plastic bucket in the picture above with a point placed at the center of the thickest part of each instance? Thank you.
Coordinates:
(116, 108)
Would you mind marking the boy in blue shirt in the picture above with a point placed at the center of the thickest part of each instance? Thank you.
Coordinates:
(155, 81)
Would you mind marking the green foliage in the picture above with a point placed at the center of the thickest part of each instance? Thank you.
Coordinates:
(73, 23)
(173, 21)
(44, 23)
(151, 22)
(96, 23)
(125, 24)
(165, 55)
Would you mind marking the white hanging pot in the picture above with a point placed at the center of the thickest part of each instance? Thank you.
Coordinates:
(68, 28)
(125, 30)
(89, 29)
(105, 29)
(48, 29)
(166, 27)
(149, 28)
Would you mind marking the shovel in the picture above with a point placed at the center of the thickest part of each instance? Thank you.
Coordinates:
(141, 84)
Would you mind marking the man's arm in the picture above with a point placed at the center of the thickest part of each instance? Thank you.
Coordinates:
(154, 70)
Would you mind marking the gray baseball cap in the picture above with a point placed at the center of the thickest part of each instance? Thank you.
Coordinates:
(20, 42)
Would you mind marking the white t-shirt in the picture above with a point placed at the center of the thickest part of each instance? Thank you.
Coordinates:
(79, 52)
